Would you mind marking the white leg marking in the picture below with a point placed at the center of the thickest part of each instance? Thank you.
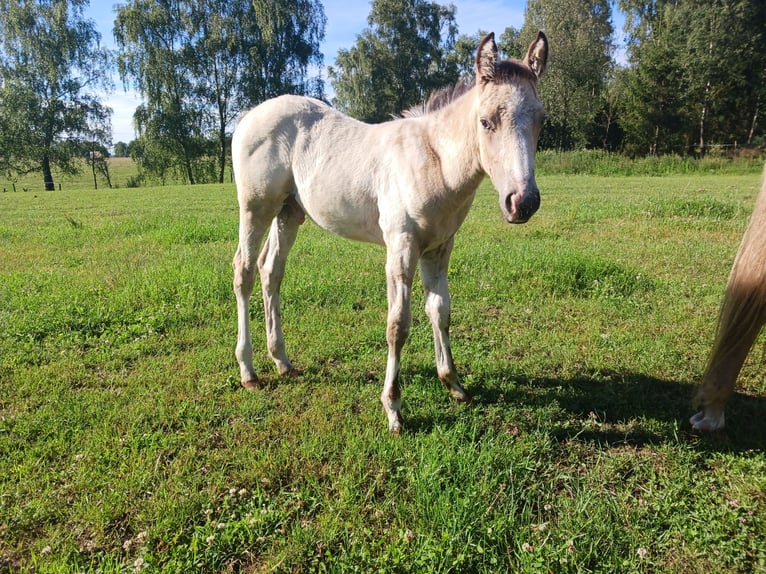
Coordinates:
(708, 420)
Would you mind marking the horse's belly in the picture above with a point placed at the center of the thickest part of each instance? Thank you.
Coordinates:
(349, 217)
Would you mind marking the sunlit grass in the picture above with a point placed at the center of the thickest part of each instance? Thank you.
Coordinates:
(126, 443)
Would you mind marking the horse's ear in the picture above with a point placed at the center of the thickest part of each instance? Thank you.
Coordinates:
(537, 55)
(486, 59)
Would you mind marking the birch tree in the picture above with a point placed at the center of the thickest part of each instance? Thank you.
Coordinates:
(52, 72)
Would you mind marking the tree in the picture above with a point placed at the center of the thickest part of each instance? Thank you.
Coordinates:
(158, 54)
(397, 61)
(580, 35)
(463, 54)
(696, 76)
(287, 36)
(96, 156)
(51, 69)
(121, 149)
(462, 57)
(199, 63)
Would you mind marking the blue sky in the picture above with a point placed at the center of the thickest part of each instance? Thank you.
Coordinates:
(345, 20)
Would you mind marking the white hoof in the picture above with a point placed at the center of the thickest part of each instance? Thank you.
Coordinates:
(395, 423)
(708, 421)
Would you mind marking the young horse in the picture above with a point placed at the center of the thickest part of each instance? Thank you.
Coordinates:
(742, 314)
(406, 184)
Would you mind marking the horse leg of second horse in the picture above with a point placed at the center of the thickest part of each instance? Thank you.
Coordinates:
(433, 268)
(271, 264)
(737, 331)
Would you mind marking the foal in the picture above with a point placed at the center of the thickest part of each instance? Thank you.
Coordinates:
(406, 184)
(743, 313)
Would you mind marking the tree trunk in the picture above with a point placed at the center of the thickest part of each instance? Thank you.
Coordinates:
(703, 115)
(189, 170)
(754, 122)
(47, 175)
(653, 146)
(222, 158)
(706, 100)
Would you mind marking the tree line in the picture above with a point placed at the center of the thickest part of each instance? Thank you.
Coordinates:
(691, 76)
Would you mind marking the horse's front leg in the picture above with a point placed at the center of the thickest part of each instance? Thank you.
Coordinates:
(401, 261)
(433, 268)
(271, 264)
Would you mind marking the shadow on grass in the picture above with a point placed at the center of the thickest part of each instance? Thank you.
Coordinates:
(617, 408)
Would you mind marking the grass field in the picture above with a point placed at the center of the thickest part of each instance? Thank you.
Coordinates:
(127, 445)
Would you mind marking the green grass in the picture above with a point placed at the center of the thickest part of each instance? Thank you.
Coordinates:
(598, 162)
(127, 445)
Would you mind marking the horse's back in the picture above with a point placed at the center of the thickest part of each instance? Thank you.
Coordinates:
(300, 146)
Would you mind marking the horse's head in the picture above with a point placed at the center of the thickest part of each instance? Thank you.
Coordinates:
(509, 120)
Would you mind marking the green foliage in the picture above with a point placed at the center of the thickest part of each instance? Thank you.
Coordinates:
(51, 70)
(580, 36)
(397, 61)
(200, 64)
(688, 92)
(127, 445)
(596, 162)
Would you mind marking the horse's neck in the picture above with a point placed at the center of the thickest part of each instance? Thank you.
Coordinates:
(453, 136)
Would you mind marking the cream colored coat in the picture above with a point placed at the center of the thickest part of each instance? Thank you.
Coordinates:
(406, 184)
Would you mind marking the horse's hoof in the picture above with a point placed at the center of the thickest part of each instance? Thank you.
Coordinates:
(702, 422)
(251, 385)
(460, 394)
(395, 426)
(464, 397)
(287, 370)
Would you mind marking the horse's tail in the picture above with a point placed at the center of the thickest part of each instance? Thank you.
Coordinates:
(742, 312)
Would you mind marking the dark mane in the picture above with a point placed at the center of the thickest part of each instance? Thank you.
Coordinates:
(440, 98)
(506, 70)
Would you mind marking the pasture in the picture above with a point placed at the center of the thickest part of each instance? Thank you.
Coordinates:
(127, 444)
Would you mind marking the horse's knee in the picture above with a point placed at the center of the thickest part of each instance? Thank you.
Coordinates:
(244, 278)
(397, 331)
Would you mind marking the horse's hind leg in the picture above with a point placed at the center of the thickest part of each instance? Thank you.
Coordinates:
(742, 315)
(433, 267)
(251, 230)
(271, 264)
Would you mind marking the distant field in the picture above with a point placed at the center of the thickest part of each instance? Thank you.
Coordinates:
(587, 162)
(121, 169)
(127, 444)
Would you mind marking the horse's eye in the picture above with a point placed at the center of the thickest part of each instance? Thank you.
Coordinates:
(486, 124)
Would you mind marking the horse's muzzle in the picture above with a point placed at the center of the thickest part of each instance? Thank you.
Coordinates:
(519, 207)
